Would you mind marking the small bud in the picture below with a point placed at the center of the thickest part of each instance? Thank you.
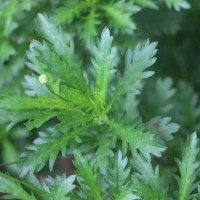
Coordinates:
(43, 78)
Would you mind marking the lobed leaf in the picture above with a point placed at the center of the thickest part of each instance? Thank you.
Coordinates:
(13, 189)
(187, 167)
(87, 176)
(103, 61)
(118, 179)
(135, 64)
(47, 146)
(71, 10)
(164, 127)
(89, 27)
(178, 4)
(104, 151)
(146, 181)
(135, 139)
(121, 14)
(59, 187)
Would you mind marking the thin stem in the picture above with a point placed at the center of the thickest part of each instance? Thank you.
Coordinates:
(8, 163)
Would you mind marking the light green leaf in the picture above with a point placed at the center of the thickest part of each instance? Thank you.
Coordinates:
(72, 121)
(147, 182)
(89, 27)
(88, 179)
(121, 14)
(146, 3)
(164, 127)
(135, 63)
(24, 102)
(178, 4)
(104, 151)
(118, 179)
(35, 118)
(56, 55)
(34, 87)
(77, 98)
(47, 146)
(163, 92)
(102, 61)
(134, 138)
(13, 188)
(71, 10)
(187, 167)
(60, 187)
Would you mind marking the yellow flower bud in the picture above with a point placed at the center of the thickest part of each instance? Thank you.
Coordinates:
(43, 78)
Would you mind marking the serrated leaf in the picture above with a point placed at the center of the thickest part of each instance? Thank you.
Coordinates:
(102, 62)
(135, 63)
(60, 187)
(187, 167)
(35, 118)
(121, 14)
(136, 139)
(13, 188)
(24, 102)
(87, 176)
(83, 101)
(147, 182)
(118, 179)
(89, 27)
(56, 55)
(33, 87)
(163, 92)
(146, 4)
(178, 4)
(71, 10)
(72, 121)
(164, 127)
(104, 151)
(47, 146)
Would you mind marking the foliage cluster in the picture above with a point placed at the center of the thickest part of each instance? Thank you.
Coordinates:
(81, 98)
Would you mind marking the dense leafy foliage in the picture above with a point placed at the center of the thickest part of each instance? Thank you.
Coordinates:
(80, 97)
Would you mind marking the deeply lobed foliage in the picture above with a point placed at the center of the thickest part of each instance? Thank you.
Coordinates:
(77, 105)
(94, 107)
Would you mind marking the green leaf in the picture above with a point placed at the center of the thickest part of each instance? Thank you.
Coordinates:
(188, 108)
(134, 138)
(163, 92)
(7, 11)
(104, 151)
(56, 55)
(88, 179)
(146, 4)
(187, 167)
(6, 50)
(135, 64)
(72, 121)
(178, 4)
(121, 14)
(47, 146)
(24, 102)
(60, 187)
(118, 179)
(33, 87)
(147, 182)
(77, 98)
(35, 118)
(9, 154)
(164, 127)
(13, 188)
(102, 61)
(40, 109)
(71, 10)
(89, 27)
